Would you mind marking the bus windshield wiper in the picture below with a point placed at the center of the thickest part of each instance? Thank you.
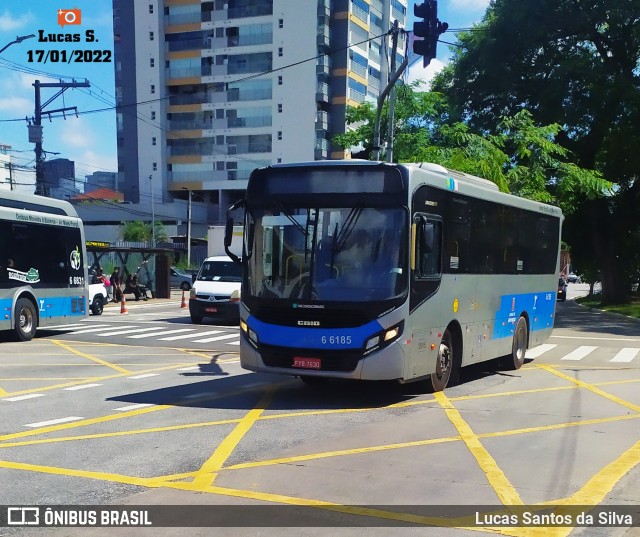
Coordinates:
(347, 228)
(291, 219)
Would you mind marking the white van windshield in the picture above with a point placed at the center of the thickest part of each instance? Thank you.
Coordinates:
(220, 271)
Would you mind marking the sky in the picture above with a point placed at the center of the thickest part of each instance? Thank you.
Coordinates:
(90, 139)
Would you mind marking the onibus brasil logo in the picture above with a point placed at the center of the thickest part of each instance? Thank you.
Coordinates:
(32, 276)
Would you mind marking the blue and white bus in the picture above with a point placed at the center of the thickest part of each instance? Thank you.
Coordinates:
(365, 270)
(43, 275)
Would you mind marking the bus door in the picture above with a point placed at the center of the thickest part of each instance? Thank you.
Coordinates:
(426, 319)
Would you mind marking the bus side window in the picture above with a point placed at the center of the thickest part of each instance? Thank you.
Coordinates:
(428, 248)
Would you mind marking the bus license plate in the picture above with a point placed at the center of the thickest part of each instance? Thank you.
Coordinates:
(307, 363)
(211, 310)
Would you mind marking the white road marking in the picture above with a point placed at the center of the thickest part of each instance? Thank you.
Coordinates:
(174, 338)
(129, 331)
(598, 338)
(146, 375)
(24, 397)
(192, 368)
(63, 326)
(233, 343)
(95, 329)
(539, 350)
(134, 407)
(216, 338)
(81, 387)
(625, 355)
(162, 333)
(53, 422)
(579, 353)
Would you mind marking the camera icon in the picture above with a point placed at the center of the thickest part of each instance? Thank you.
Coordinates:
(69, 16)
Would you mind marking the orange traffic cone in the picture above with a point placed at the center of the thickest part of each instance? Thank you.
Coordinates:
(123, 305)
(183, 304)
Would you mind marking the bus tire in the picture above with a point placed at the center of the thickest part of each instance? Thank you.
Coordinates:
(447, 369)
(26, 320)
(519, 345)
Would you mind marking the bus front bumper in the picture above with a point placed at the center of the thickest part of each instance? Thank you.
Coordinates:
(385, 364)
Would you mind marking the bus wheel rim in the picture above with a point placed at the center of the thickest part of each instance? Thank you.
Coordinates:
(520, 344)
(444, 361)
(26, 320)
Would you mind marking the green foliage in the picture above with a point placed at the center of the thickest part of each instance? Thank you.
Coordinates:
(139, 231)
(573, 64)
(518, 155)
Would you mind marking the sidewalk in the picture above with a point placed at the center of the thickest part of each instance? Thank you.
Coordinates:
(176, 298)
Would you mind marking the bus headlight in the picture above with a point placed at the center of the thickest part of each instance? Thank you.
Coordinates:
(383, 338)
(251, 335)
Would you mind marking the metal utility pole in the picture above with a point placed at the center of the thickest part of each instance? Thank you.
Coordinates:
(35, 130)
(392, 94)
(153, 215)
(188, 227)
(392, 80)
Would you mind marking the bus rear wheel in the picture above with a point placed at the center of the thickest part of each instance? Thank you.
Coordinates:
(26, 320)
(446, 365)
(519, 346)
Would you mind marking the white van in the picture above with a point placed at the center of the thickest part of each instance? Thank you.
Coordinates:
(216, 291)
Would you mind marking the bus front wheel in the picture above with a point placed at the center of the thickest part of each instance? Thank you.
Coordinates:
(26, 320)
(519, 346)
(446, 366)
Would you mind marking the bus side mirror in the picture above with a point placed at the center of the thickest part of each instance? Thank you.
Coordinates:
(228, 233)
(228, 236)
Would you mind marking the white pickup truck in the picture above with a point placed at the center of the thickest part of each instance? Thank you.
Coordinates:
(97, 298)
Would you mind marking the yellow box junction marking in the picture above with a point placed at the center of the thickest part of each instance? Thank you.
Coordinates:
(89, 356)
(209, 470)
(498, 481)
(592, 493)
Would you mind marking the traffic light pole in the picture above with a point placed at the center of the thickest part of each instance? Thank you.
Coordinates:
(392, 95)
(390, 85)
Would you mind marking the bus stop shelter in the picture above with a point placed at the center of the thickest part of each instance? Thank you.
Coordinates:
(150, 263)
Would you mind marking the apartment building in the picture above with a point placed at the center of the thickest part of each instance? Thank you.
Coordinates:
(6, 169)
(225, 86)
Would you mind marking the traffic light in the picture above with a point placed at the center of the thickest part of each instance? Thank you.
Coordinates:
(430, 28)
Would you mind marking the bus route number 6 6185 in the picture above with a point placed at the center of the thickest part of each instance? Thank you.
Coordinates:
(336, 340)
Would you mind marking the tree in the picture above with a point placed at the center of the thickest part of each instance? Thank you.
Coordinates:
(416, 113)
(520, 156)
(574, 63)
(139, 231)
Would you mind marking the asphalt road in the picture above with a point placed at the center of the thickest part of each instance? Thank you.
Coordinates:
(112, 421)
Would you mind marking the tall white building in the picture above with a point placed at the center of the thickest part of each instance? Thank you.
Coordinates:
(6, 170)
(225, 86)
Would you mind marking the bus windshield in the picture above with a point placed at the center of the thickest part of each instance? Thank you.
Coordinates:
(328, 254)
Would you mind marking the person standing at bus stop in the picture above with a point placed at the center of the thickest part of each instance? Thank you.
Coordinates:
(116, 282)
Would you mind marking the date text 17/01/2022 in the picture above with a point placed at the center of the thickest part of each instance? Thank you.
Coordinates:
(68, 56)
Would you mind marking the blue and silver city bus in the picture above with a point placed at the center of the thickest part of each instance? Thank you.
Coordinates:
(365, 270)
(43, 276)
